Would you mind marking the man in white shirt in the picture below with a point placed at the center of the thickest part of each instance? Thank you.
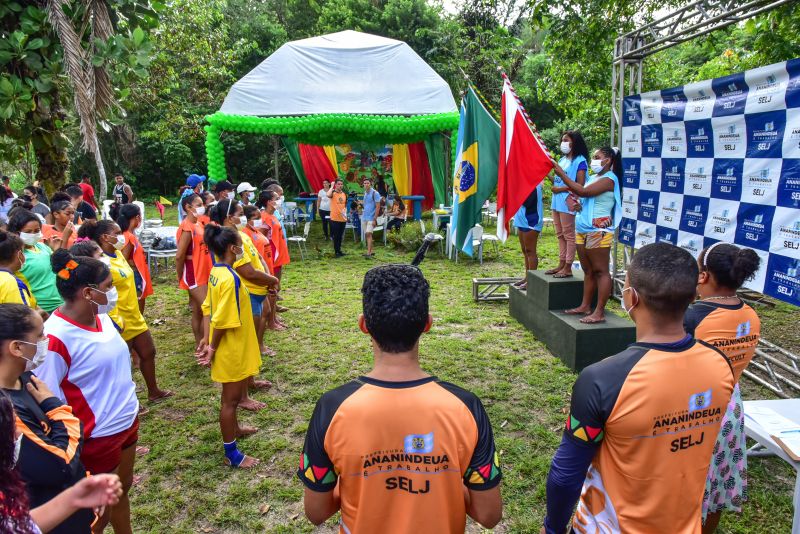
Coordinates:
(324, 206)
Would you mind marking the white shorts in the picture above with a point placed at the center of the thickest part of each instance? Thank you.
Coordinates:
(368, 226)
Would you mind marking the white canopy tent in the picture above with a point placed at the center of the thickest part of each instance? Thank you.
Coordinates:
(344, 72)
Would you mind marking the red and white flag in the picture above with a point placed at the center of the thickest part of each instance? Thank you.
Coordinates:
(524, 160)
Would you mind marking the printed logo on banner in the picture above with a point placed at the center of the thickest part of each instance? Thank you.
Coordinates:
(650, 174)
(651, 141)
(666, 235)
(789, 184)
(695, 214)
(754, 225)
(783, 278)
(793, 86)
(673, 105)
(669, 210)
(721, 223)
(765, 134)
(786, 233)
(648, 206)
(726, 182)
(700, 100)
(674, 141)
(630, 172)
(730, 137)
(630, 203)
(672, 175)
(651, 107)
(698, 177)
(731, 94)
(632, 115)
(767, 88)
(699, 139)
(632, 142)
(760, 181)
(627, 232)
(791, 136)
(690, 242)
(645, 234)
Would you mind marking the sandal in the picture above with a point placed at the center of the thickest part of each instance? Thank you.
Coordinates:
(552, 271)
(562, 275)
(587, 320)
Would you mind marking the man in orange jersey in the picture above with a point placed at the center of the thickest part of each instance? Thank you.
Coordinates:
(398, 450)
(643, 423)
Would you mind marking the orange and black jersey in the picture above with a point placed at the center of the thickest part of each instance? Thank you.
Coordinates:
(652, 413)
(732, 328)
(401, 452)
(49, 459)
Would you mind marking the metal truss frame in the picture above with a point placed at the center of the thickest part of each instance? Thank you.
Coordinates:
(773, 367)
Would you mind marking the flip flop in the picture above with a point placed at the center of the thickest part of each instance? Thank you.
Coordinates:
(551, 271)
(143, 410)
(562, 275)
(573, 312)
(161, 398)
(586, 320)
(141, 450)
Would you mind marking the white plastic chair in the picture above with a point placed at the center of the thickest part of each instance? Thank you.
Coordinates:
(438, 239)
(290, 216)
(301, 240)
(479, 237)
(380, 227)
(105, 211)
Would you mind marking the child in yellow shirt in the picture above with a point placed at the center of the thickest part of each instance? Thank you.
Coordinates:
(229, 342)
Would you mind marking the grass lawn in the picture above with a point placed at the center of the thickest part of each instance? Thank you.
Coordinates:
(185, 487)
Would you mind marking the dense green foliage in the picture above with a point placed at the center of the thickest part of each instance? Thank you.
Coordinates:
(173, 64)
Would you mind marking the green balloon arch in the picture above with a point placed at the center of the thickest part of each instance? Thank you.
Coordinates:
(326, 129)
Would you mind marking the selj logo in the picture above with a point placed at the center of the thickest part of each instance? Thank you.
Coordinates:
(700, 401)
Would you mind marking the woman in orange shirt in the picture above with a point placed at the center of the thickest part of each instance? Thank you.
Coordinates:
(278, 239)
(193, 261)
(129, 218)
(62, 233)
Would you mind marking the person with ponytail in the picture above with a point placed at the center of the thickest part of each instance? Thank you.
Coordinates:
(253, 231)
(722, 319)
(229, 345)
(192, 261)
(13, 289)
(126, 314)
(129, 218)
(253, 271)
(16, 516)
(62, 233)
(35, 271)
(88, 367)
(51, 436)
(599, 214)
(575, 165)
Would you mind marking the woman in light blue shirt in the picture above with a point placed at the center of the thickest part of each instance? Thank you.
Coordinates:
(574, 164)
(595, 224)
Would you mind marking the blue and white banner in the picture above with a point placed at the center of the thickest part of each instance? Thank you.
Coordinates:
(719, 160)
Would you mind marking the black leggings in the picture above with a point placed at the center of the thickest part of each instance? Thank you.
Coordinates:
(323, 214)
(337, 232)
(395, 223)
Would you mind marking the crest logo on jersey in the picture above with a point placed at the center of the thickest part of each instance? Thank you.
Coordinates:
(700, 401)
(743, 329)
(418, 443)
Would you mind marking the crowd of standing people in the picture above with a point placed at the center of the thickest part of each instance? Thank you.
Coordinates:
(72, 294)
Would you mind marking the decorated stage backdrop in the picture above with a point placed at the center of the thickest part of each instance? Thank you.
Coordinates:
(719, 160)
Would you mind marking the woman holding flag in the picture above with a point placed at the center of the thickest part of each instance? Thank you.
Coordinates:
(599, 214)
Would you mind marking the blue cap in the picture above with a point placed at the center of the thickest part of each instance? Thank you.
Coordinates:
(194, 180)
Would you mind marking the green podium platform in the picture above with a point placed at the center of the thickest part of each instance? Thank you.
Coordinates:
(540, 309)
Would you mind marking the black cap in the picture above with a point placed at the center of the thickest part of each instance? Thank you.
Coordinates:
(224, 185)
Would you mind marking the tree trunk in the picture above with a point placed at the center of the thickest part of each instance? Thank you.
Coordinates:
(275, 147)
(49, 147)
(101, 171)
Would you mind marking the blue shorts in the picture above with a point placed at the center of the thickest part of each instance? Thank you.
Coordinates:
(257, 304)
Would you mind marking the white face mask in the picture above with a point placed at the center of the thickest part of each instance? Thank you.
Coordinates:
(199, 211)
(230, 195)
(21, 258)
(596, 166)
(242, 222)
(111, 300)
(119, 244)
(565, 147)
(17, 448)
(249, 195)
(30, 239)
(38, 358)
(622, 302)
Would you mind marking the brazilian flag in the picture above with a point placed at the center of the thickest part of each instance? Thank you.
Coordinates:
(475, 168)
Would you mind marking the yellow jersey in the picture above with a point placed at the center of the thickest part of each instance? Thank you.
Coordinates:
(126, 313)
(252, 257)
(14, 290)
(227, 305)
